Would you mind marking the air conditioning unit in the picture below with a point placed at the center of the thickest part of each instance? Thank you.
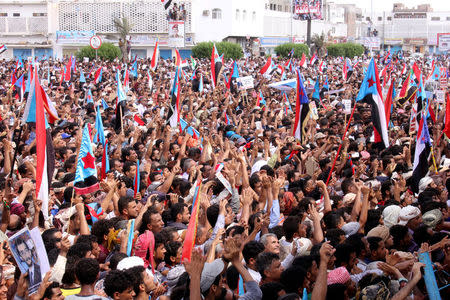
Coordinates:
(206, 13)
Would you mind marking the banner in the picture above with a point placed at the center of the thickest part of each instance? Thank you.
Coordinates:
(176, 34)
(245, 83)
(74, 36)
(443, 41)
(308, 9)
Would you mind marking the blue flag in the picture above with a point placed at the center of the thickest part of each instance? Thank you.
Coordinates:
(120, 91)
(86, 171)
(104, 104)
(316, 93)
(134, 71)
(326, 85)
(100, 134)
(82, 78)
(89, 97)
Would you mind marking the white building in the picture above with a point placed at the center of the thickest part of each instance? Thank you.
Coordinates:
(61, 27)
(411, 29)
(24, 28)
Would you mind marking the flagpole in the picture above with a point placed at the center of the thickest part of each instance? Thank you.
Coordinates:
(121, 119)
(15, 150)
(434, 160)
(340, 145)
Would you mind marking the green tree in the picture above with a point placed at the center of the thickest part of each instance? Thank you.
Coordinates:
(107, 51)
(319, 44)
(123, 27)
(345, 49)
(230, 50)
(284, 50)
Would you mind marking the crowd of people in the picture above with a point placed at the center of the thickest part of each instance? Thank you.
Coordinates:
(278, 218)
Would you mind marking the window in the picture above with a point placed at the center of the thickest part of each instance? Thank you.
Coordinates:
(39, 14)
(238, 14)
(3, 14)
(217, 13)
(380, 18)
(367, 18)
(16, 14)
(244, 15)
(435, 18)
(280, 8)
(205, 13)
(389, 18)
(448, 18)
(254, 16)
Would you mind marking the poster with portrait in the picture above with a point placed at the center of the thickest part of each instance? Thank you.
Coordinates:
(176, 34)
(29, 252)
(308, 9)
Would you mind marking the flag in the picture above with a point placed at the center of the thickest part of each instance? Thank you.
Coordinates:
(82, 78)
(301, 110)
(45, 154)
(29, 114)
(267, 68)
(313, 59)
(344, 70)
(408, 90)
(421, 155)
(126, 80)
(216, 66)
(174, 112)
(155, 57)
(316, 93)
(178, 58)
(138, 120)
(104, 104)
(435, 74)
(370, 92)
(100, 133)
(388, 102)
(322, 66)
(137, 180)
(134, 69)
(191, 232)
(105, 161)
(200, 84)
(260, 101)
(326, 85)
(89, 97)
(67, 73)
(19, 63)
(29, 79)
(225, 118)
(303, 61)
(98, 75)
(86, 174)
(188, 129)
(166, 3)
(3, 48)
(447, 117)
(150, 81)
(404, 69)
(120, 106)
(233, 74)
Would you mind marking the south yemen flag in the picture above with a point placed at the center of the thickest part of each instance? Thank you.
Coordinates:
(216, 66)
(86, 173)
(301, 110)
(421, 155)
(44, 147)
(155, 57)
(370, 93)
(191, 232)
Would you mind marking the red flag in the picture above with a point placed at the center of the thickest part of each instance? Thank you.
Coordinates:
(388, 103)
(138, 120)
(68, 69)
(303, 61)
(447, 117)
(191, 232)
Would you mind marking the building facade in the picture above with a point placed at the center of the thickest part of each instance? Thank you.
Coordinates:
(411, 29)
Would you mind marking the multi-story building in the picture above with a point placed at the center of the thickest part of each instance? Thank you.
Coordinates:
(24, 28)
(411, 29)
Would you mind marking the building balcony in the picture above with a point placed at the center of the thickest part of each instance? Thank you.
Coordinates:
(23, 26)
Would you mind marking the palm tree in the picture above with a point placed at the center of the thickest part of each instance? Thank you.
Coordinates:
(319, 44)
(123, 27)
